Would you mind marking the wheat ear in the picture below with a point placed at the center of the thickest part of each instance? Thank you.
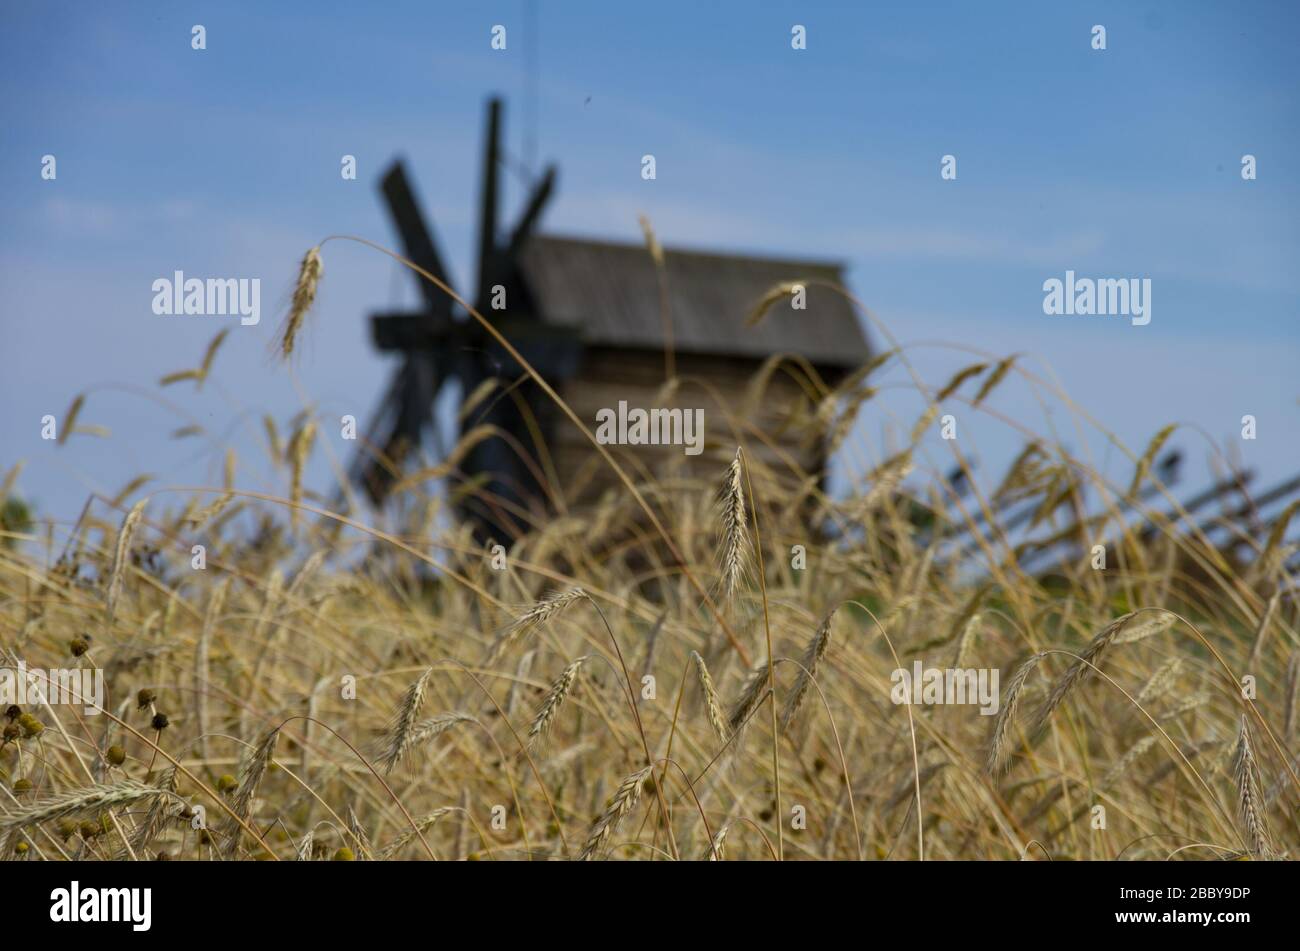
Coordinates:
(554, 700)
(812, 657)
(397, 741)
(310, 272)
(1000, 743)
(1249, 802)
(711, 702)
(624, 801)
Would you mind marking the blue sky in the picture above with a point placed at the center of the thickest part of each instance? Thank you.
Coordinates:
(225, 162)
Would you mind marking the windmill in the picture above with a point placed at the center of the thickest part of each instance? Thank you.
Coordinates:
(439, 345)
(589, 316)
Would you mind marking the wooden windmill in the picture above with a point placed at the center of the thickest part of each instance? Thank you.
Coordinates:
(438, 345)
(588, 315)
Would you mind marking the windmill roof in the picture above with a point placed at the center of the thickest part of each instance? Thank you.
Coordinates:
(611, 293)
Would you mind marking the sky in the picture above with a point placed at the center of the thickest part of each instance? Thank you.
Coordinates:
(225, 162)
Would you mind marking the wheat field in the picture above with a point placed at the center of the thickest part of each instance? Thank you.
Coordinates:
(655, 677)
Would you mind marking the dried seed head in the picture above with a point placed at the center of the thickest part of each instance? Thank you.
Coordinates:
(711, 702)
(623, 801)
(1250, 803)
(735, 544)
(554, 700)
(1000, 743)
(304, 295)
(30, 726)
(812, 657)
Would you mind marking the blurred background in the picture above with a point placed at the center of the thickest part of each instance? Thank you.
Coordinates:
(225, 162)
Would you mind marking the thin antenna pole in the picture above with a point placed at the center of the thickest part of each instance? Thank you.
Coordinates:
(533, 80)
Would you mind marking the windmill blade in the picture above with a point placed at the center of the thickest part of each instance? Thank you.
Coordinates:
(417, 241)
(528, 220)
(404, 414)
(487, 234)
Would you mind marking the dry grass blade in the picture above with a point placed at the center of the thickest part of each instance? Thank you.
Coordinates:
(1292, 696)
(1262, 630)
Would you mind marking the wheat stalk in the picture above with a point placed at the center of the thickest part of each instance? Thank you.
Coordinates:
(120, 551)
(1249, 803)
(623, 801)
(735, 530)
(711, 702)
(714, 853)
(251, 771)
(554, 699)
(538, 613)
(426, 730)
(1000, 742)
(398, 739)
(1079, 670)
(422, 825)
(304, 295)
(750, 694)
(84, 799)
(812, 657)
